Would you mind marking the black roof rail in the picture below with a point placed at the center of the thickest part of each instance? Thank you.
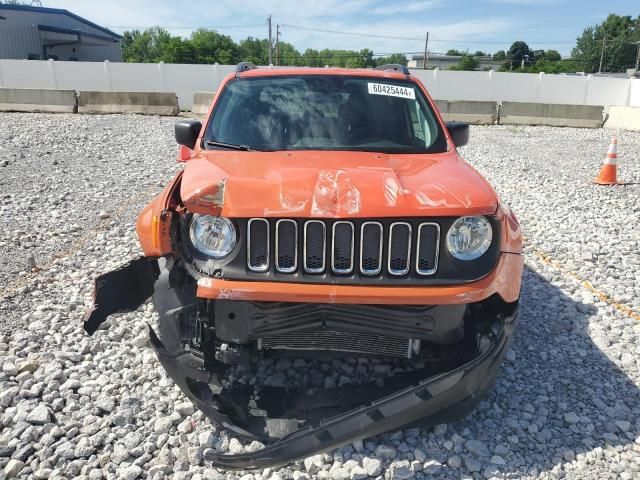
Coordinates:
(396, 67)
(244, 66)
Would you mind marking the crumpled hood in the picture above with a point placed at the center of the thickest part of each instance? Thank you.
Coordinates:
(334, 184)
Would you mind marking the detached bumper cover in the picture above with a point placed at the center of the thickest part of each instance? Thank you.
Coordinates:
(122, 290)
(432, 400)
(419, 396)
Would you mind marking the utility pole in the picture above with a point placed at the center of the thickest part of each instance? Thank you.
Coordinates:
(426, 52)
(270, 41)
(637, 44)
(604, 46)
(277, 44)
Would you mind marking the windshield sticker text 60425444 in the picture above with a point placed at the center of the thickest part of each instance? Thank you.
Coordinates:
(391, 90)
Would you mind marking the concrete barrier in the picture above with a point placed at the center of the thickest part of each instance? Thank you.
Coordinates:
(149, 103)
(625, 118)
(478, 113)
(555, 115)
(202, 102)
(37, 100)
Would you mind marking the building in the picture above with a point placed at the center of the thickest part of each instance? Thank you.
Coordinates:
(447, 61)
(38, 33)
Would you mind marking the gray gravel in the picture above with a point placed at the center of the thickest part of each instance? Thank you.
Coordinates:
(567, 404)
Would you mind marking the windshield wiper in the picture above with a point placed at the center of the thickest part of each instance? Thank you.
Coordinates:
(231, 146)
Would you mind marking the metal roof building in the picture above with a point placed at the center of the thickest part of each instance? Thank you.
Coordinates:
(38, 33)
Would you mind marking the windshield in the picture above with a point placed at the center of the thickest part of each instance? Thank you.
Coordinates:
(324, 112)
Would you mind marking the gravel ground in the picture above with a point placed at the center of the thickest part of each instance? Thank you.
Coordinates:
(566, 405)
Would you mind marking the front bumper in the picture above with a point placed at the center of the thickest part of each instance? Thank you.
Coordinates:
(504, 280)
(417, 397)
(428, 401)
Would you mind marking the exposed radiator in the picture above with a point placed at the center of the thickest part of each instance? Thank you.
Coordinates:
(337, 341)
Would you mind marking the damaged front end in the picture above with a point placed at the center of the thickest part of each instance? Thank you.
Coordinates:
(213, 350)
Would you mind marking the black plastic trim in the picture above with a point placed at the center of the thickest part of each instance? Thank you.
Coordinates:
(396, 67)
(121, 290)
(239, 321)
(450, 271)
(433, 400)
(244, 66)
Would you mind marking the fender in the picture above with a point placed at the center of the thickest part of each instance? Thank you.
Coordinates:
(155, 220)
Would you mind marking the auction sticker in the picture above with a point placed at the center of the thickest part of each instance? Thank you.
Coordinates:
(391, 90)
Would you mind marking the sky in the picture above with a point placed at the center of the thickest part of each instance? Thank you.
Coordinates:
(487, 25)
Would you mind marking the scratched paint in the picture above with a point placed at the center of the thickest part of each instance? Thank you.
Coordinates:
(334, 194)
(293, 200)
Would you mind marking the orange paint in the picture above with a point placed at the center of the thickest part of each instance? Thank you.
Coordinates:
(154, 222)
(504, 280)
(325, 184)
(334, 184)
(184, 153)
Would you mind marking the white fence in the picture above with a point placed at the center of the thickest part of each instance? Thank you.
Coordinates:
(184, 80)
(530, 87)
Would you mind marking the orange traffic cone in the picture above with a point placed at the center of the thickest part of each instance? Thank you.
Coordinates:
(608, 172)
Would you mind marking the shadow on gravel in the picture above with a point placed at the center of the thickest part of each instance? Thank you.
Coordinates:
(558, 395)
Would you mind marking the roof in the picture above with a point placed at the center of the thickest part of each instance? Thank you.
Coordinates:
(355, 72)
(59, 11)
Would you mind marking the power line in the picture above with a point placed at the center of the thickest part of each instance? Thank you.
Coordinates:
(358, 34)
(340, 32)
(372, 35)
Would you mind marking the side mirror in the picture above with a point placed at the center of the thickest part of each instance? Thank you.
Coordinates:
(459, 132)
(187, 132)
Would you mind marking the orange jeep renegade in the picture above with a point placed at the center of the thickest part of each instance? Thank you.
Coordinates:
(324, 212)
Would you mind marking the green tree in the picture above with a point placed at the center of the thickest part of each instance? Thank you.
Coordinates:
(366, 57)
(548, 66)
(148, 46)
(616, 33)
(479, 53)
(311, 58)
(538, 55)
(254, 50)
(396, 58)
(212, 47)
(518, 52)
(455, 52)
(552, 55)
(467, 62)
(500, 55)
(288, 55)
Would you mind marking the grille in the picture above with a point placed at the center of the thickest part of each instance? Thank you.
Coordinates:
(399, 248)
(428, 246)
(258, 245)
(338, 341)
(286, 246)
(315, 239)
(342, 253)
(371, 248)
(339, 247)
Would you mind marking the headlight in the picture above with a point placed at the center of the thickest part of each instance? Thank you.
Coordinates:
(469, 237)
(213, 236)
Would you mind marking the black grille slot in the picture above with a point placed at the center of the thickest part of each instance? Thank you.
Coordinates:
(315, 250)
(286, 246)
(314, 246)
(399, 248)
(342, 259)
(371, 248)
(258, 245)
(428, 246)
